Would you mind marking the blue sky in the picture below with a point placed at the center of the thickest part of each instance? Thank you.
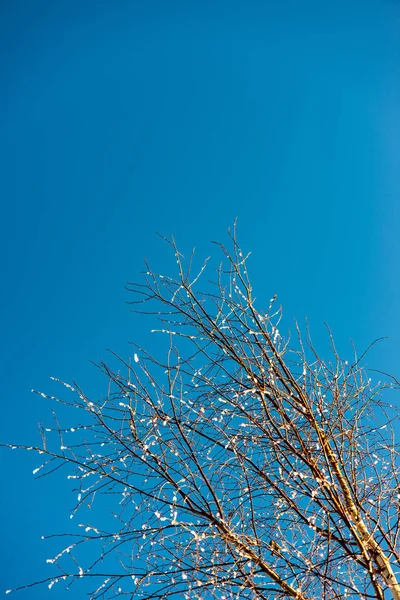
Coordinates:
(122, 119)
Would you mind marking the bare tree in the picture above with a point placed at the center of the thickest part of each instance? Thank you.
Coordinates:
(242, 466)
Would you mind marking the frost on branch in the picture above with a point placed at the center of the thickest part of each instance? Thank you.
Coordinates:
(240, 465)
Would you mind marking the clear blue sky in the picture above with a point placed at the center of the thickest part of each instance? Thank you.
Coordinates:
(123, 118)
